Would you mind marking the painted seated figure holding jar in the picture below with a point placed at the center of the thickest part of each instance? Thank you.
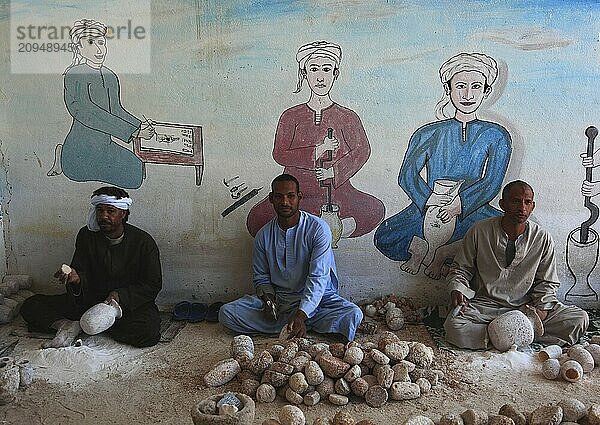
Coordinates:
(452, 170)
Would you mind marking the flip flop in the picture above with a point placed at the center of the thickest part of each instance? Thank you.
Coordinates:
(182, 310)
(198, 312)
(212, 315)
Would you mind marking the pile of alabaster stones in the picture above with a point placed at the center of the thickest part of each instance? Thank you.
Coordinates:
(396, 311)
(13, 375)
(292, 415)
(14, 289)
(406, 304)
(569, 364)
(394, 316)
(306, 373)
(567, 411)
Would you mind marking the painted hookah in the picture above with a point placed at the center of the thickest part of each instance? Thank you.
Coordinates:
(582, 243)
(330, 212)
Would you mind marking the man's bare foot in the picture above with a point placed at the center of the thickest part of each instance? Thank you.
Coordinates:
(67, 331)
(418, 249)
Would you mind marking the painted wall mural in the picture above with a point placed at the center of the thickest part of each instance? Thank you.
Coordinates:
(323, 145)
(92, 95)
(227, 71)
(172, 144)
(236, 188)
(582, 242)
(464, 161)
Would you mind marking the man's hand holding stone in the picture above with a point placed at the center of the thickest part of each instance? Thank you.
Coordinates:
(296, 325)
(69, 275)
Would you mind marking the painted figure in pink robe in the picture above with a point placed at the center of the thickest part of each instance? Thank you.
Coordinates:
(323, 144)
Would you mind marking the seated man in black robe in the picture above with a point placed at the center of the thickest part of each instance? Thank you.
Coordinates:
(113, 260)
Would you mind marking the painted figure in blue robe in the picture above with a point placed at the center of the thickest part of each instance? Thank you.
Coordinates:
(92, 97)
(452, 170)
(294, 275)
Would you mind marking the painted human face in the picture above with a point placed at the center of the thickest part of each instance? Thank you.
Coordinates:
(110, 219)
(93, 49)
(285, 198)
(467, 91)
(519, 205)
(320, 74)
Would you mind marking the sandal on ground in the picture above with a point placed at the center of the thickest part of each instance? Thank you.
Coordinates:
(198, 312)
(212, 315)
(182, 310)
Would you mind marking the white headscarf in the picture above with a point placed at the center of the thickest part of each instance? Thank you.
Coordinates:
(121, 203)
(479, 62)
(316, 49)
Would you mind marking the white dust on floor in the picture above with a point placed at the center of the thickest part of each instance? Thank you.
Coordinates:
(98, 358)
(485, 365)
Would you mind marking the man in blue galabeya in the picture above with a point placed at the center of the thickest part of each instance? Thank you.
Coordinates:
(294, 275)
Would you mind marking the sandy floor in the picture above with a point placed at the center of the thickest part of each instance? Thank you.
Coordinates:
(104, 382)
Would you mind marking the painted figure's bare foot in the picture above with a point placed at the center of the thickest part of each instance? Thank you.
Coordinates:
(434, 270)
(412, 266)
(437, 269)
(348, 226)
(418, 250)
(56, 167)
(67, 331)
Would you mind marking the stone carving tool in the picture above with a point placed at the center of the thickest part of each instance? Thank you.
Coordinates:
(241, 201)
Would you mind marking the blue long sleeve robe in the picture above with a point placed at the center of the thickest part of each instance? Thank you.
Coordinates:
(480, 157)
(297, 266)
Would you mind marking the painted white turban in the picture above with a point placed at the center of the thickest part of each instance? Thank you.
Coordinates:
(469, 62)
(318, 48)
(87, 28)
(121, 203)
